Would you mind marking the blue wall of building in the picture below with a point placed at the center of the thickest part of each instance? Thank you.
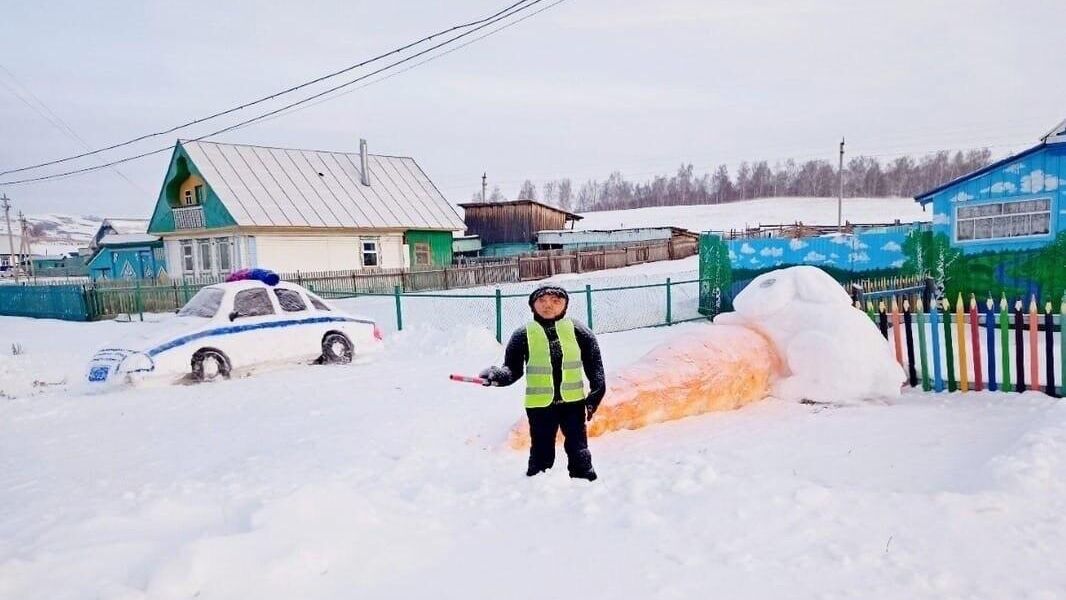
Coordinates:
(1034, 175)
(869, 251)
(128, 262)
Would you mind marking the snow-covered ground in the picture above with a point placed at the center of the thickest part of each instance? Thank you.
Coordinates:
(765, 211)
(384, 480)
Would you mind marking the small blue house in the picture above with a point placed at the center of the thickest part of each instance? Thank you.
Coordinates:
(1000, 229)
(1014, 204)
(128, 256)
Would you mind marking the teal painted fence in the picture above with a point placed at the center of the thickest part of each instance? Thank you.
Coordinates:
(44, 301)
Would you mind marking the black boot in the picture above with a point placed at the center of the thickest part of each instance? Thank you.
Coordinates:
(590, 475)
(535, 468)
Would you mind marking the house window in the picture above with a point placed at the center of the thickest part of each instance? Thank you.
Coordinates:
(1003, 220)
(225, 260)
(188, 199)
(422, 255)
(370, 253)
(199, 194)
(188, 263)
(205, 256)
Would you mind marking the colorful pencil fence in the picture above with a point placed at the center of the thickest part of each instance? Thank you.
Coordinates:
(968, 345)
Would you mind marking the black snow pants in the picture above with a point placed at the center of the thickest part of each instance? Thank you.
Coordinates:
(544, 424)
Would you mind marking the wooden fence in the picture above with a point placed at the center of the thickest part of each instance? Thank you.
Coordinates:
(977, 346)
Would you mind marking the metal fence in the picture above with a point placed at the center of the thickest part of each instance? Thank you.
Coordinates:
(604, 306)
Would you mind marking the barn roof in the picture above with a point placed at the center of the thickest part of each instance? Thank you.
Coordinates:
(263, 186)
(475, 205)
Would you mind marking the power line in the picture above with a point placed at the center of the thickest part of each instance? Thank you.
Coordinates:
(419, 63)
(271, 96)
(277, 110)
(52, 118)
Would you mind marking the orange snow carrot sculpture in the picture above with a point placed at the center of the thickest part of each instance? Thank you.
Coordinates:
(721, 367)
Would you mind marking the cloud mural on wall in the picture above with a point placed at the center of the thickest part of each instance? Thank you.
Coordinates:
(747, 249)
(960, 197)
(834, 255)
(813, 256)
(898, 263)
(1038, 181)
(732, 255)
(892, 247)
(771, 251)
(1015, 168)
(796, 244)
(1000, 188)
(754, 260)
(940, 219)
(859, 257)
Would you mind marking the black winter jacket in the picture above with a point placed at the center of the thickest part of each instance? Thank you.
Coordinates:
(517, 352)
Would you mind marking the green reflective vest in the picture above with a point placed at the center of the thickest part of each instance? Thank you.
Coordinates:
(540, 388)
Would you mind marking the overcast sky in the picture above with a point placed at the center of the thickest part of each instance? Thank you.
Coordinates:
(582, 89)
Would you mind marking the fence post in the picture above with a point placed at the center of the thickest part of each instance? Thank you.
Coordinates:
(399, 308)
(588, 303)
(499, 316)
(140, 303)
(669, 304)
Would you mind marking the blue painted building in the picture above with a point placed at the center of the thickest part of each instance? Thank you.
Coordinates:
(128, 256)
(1018, 203)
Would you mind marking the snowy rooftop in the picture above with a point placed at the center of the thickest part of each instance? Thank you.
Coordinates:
(281, 187)
(130, 238)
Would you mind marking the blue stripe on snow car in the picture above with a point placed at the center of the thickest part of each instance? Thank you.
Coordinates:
(220, 331)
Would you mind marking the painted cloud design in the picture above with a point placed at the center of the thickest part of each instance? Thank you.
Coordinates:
(1038, 181)
(747, 249)
(892, 247)
(1015, 168)
(813, 256)
(770, 251)
(797, 244)
(898, 263)
(859, 257)
(961, 197)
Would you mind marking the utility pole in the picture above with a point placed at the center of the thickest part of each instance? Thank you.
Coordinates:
(10, 235)
(840, 193)
(24, 245)
(484, 187)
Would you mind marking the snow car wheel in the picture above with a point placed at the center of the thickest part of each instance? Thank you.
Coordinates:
(336, 349)
(209, 364)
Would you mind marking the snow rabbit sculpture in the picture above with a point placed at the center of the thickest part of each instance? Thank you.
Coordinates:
(829, 350)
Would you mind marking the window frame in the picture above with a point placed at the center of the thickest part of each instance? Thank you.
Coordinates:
(200, 245)
(376, 252)
(228, 244)
(1004, 217)
(423, 248)
(188, 261)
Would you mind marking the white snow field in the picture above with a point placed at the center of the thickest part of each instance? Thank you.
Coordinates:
(384, 480)
(765, 211)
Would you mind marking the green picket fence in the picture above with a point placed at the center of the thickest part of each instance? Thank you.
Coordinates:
(45, 301)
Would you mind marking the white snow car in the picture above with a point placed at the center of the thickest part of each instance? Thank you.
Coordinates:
(228, 327)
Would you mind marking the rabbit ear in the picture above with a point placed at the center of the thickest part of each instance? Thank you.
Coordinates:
(815, 285)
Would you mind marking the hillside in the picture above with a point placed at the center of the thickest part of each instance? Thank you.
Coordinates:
(765, 211)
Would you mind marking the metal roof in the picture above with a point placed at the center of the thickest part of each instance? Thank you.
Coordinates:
(115, 239)
(126, 226)
(281, 187)
(475, 205)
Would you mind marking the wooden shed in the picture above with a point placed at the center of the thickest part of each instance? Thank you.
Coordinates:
(515, 222)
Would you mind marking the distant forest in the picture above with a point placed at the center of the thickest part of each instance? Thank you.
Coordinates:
(863, 177)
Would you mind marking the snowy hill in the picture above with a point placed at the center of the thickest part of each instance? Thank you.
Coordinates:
(765, 211)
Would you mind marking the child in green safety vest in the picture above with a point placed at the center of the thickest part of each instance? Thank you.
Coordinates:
(557, 356)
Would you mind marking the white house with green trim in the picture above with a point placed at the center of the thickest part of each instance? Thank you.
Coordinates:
(224, 207)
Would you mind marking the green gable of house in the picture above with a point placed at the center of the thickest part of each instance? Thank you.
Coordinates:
(215, 214)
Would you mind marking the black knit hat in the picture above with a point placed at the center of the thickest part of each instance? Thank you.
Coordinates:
(548, 290)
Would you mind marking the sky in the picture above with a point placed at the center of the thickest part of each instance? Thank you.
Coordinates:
(580, 90)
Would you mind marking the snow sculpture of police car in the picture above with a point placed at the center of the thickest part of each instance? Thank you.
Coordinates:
(252, 319)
